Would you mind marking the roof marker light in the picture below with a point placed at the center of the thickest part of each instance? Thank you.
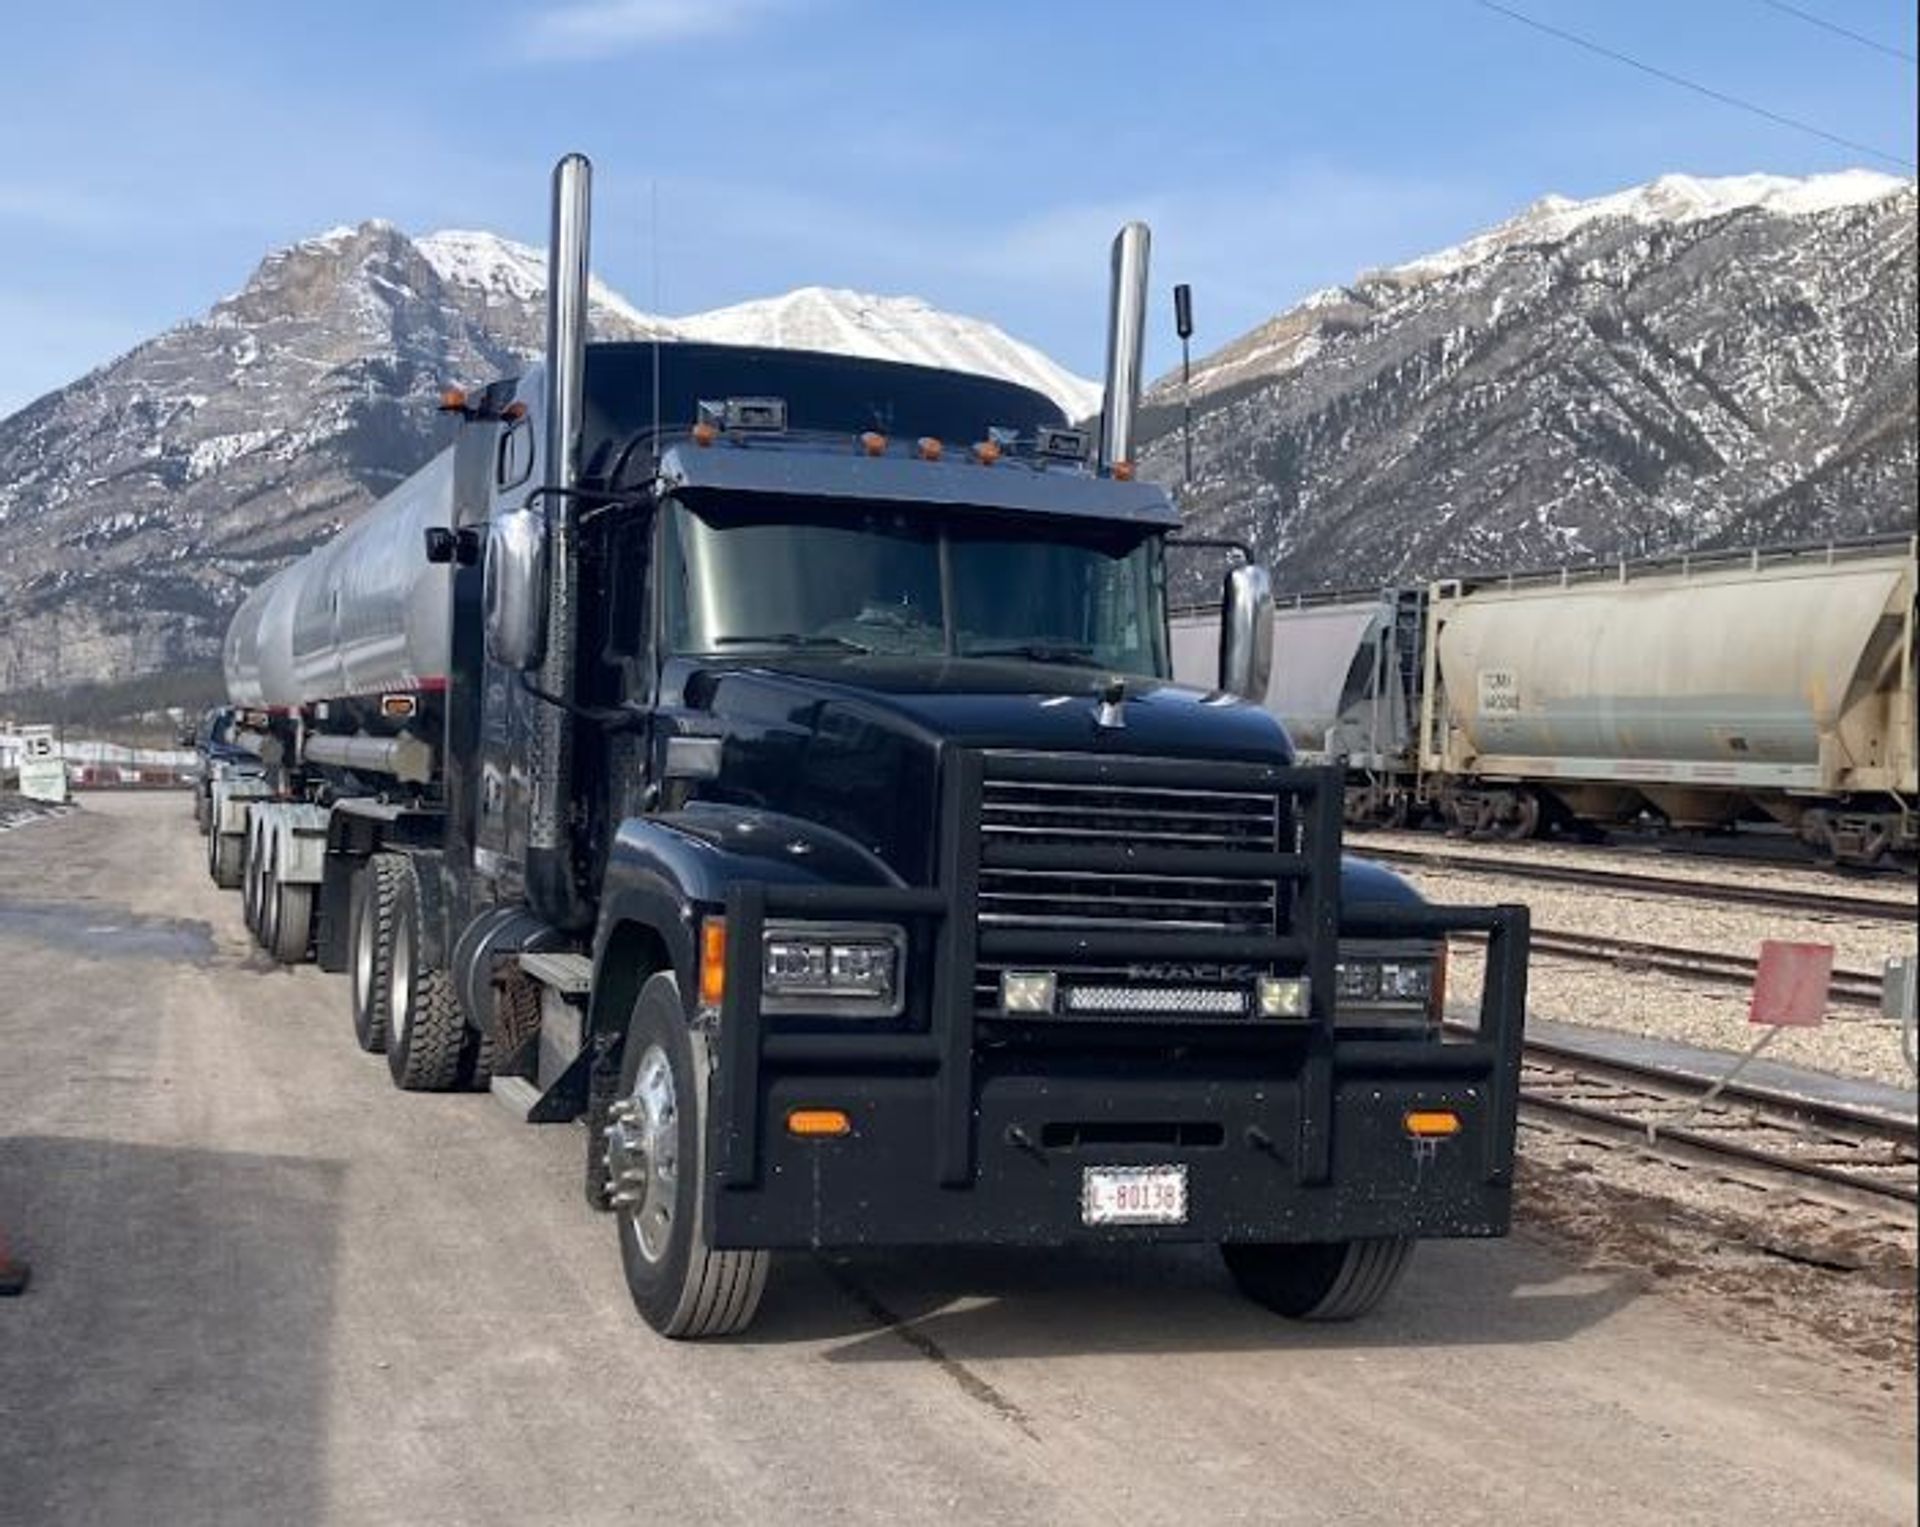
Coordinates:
(873, 443)
(986, 452)
(1123, 471)
(704, 434)
(928, 448)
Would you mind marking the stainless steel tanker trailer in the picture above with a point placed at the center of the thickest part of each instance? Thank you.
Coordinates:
(1699, 691)
(770, 761)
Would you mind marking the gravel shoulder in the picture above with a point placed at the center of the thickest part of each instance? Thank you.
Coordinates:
(1852, 1042)
(269, 1289)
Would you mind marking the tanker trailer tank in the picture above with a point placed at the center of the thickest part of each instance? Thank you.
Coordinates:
(1706, 690)
(365, 614)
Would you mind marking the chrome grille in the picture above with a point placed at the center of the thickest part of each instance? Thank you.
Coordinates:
(1123, 817)
(1107, 823)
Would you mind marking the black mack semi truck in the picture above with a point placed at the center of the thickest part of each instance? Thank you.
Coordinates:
(771, 760)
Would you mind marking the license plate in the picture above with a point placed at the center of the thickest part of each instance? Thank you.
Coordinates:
(1133, 1195)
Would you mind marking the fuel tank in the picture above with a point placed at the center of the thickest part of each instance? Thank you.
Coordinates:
(364, 614)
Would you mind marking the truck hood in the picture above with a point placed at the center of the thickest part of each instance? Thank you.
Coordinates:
(972, 702)
(854, 744)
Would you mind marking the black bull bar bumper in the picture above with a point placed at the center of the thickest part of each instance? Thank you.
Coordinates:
(1290, 1132)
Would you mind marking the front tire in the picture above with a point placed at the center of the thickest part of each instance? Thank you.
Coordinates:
(656, 1158)
(1327, 1281)
(425, 1033)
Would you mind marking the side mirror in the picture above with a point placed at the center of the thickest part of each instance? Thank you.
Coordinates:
(1246, 632)
(514, 589)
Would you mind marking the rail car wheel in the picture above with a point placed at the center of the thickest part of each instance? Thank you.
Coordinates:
(1524, 821)
(425, 1032)
(1332, 1280)
(376, 892)
(656, 1160)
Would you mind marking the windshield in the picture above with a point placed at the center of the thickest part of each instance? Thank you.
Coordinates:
(861, 578)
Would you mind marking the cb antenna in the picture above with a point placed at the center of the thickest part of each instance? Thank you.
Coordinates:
(1183, 325)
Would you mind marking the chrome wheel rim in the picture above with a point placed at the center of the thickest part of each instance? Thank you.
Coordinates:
(363, 965)
(400, 987)
(643, 1154)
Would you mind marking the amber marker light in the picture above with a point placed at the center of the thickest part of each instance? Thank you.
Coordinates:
(1432, 1123)
(453, 400)
(705, 434)
(873, 443)
(397, 706)
(928, 448)
(1123, 471)
(819, 1123)
(713, 961)
(986, 452)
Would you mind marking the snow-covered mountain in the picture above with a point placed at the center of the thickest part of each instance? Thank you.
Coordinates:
(1685, 363)
(139, 503)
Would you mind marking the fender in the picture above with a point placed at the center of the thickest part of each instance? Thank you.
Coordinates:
(664, 871)
(1363, 881)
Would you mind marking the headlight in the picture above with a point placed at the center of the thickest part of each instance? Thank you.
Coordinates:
(851, 970)
(1388, 989)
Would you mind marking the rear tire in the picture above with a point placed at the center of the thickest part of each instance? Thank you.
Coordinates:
(253, 871)
(425, 1033)
(224, 850)
(1330, 1280)
(292, 922)
(656, 1152)
(376, 892)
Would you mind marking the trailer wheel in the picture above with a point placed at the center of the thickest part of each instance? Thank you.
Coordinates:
(253, 869)
(1332, 1280)
(291, 919)
(656, 1156)
(425, 1032)
(201, 812)
(263, 882)
(224, 855)
(376, 893)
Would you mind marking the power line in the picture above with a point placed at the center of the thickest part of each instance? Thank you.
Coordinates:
(1695, 86)
(1833, 26)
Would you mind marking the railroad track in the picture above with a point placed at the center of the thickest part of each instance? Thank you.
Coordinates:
(1841, 904)
(1852, 988)
(1816, 1152)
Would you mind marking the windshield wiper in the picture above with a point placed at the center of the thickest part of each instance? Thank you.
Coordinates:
(792, 639)
(1041, 652)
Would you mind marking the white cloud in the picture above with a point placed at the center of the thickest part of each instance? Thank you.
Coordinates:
(596, 28)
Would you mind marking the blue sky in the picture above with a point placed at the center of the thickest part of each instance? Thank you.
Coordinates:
(978, 155)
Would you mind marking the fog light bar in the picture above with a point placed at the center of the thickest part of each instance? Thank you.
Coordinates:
(1181, 1001)
(1432, 1123)
(1284, 997)
(1027, 991)
(819, 1123)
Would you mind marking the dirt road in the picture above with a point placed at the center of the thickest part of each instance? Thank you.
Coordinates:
(269, 1288)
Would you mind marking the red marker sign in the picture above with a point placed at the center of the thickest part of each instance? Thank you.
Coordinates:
(1790, 988)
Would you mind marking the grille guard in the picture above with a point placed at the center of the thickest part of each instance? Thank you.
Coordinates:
(750, 1047)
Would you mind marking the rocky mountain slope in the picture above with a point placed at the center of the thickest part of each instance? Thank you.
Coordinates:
(140, 503)
(1687, 363)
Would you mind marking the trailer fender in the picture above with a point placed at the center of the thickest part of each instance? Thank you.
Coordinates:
(299, 842)
(665, 871)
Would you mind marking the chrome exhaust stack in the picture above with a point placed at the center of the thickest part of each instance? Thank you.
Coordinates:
(550, 881)
(1126, 337)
